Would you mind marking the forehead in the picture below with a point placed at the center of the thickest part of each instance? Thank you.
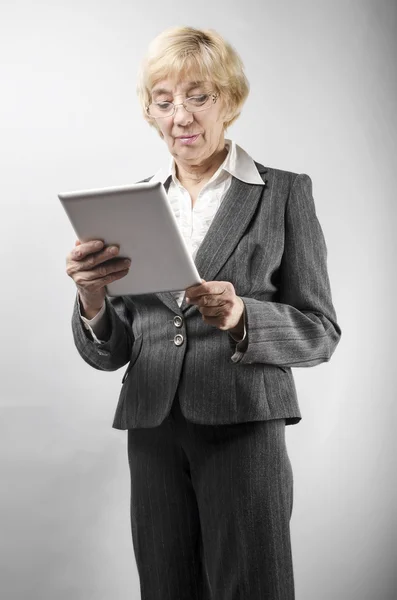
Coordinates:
(180, 86)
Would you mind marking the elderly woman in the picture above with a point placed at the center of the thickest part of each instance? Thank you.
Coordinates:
(208, 390)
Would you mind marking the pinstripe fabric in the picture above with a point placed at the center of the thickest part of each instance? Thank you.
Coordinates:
(267, 241)
(210, 510)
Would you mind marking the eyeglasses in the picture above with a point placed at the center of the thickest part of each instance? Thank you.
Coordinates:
(159, 110)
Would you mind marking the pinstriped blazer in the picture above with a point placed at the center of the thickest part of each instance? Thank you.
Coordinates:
(266, 241)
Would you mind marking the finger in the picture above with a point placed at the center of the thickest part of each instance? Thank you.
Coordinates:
(212, 288)
(193, 290)
(83, 249)
(209, 296)
(94, 286)
(95, 266)
(97, 258)
(215, 301)
(99, 283)
(105, 270)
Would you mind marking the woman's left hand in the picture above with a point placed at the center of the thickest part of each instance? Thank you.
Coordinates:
(219, 305)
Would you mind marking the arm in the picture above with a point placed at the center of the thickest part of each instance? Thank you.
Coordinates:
(115, 350)
(301, 329)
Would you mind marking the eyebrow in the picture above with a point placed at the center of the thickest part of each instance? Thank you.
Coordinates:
(190, 86)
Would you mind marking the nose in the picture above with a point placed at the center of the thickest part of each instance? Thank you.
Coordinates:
(182, 116)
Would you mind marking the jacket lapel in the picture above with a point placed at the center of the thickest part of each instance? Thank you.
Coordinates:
(230, 222)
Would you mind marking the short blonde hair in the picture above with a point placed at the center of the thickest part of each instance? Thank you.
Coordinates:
(203, 54)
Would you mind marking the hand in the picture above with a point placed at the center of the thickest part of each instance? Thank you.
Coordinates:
(219, 305)
(92, 266)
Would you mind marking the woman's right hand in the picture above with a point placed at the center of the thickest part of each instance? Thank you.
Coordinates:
(92, 266)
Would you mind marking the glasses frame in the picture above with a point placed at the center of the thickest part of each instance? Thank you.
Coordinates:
(215, 96)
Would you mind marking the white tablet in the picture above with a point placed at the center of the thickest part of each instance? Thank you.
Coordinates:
(139, 219)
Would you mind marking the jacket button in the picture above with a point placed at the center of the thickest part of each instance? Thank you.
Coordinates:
(178, 340)
(178, 321)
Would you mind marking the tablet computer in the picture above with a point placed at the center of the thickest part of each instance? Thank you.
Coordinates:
(140, 220)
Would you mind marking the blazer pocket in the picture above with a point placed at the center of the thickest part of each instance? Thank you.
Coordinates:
(136, 350)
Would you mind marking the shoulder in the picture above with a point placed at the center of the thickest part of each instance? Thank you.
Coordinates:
(274, 173)
(281, 179)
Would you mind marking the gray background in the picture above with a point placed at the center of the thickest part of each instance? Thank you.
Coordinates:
(322, 102)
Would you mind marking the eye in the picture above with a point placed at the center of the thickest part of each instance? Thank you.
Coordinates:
(199, 99)
(163, 105)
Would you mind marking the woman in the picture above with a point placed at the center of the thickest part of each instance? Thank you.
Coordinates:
(209, 389)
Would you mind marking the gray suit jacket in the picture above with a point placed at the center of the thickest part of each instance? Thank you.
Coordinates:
(267, 241)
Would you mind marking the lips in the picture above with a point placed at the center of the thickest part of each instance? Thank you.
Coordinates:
(187, 140)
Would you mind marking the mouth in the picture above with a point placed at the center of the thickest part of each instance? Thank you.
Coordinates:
(187, 139)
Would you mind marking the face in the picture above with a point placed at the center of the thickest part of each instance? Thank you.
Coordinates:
(206, 124)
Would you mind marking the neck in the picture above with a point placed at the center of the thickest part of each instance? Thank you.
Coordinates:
(194, 174)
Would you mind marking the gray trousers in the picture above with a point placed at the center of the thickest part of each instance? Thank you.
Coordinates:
(210, 510)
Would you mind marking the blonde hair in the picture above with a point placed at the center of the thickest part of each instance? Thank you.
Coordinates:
(203, 54)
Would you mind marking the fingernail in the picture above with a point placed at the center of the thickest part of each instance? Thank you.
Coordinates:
(98, 244)
(187, 299)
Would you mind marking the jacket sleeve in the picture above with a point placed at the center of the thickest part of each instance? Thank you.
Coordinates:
(98, 326)
(113, 353)
(301, 329)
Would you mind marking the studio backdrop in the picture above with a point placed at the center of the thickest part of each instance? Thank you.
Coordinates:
(322, 102)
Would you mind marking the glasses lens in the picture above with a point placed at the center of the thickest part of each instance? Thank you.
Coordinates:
(196, 103)
(161, 109)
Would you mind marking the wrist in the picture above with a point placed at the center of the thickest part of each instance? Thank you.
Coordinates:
(90, 310)
(239, 330)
